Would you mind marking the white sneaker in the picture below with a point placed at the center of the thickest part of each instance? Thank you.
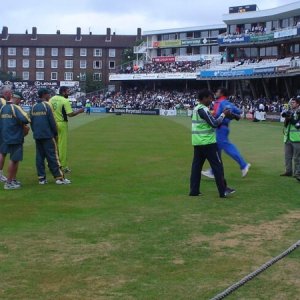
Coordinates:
(43, 181)
(63, 181)
(11, 186)
(246, 170)
(208, 173)
(2, 178)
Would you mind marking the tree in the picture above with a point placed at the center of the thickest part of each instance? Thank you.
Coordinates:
(8, 76)
(128, 55)
(90, 84)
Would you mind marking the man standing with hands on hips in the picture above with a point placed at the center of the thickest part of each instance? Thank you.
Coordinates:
(62, 110)
(205, 145)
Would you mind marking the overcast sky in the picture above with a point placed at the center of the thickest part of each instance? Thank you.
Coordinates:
(122, 16)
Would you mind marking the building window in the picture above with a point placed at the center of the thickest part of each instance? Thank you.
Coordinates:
(83, 64)
(97, 64)
(262, 52)
(82, 76)
(68, 51)
(112, 52)
(54, 51)
(25, 75)
(215, 33)
(0, 51)
(68, 76)
(25, 51)
(11, 63)
(40, 51)
(39, 76)
(39, 64)
(111, 65)
(97, 52)
(215, 50)
(53, 75)
(68, 64)
(204, 50)
(54, 64)
(97, 76)
(12, 51)
(83, 52)
(25, 63)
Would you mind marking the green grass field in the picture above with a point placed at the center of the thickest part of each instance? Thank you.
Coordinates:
(126, 229)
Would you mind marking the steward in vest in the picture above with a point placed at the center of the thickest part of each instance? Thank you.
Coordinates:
(45, 133)
(288, 147)
(205, 145)
(88, 107)
(292, 138)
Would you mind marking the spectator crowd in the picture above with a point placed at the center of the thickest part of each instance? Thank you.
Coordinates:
(134, 98)
(164, 67)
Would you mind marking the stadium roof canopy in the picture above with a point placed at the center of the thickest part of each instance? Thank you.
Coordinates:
(281, 12)
(185, 29)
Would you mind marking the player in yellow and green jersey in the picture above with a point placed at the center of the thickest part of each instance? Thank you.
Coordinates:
(62, 110)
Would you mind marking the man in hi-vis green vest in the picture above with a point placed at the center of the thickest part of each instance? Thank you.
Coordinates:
(205, 145)
(292, 137)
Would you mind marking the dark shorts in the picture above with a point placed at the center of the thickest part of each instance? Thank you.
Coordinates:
(15, 151)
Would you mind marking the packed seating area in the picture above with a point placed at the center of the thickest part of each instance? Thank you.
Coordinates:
(196, 66)
(164, 67)
(174, 99)
(254, 63)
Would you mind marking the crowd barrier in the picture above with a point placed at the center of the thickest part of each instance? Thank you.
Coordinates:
(133, 111)
(260, 116)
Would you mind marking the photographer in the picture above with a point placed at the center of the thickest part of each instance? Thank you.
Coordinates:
(292, 138)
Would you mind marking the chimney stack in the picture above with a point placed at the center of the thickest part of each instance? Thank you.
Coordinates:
(139, 34)
(108, 34)
(78, 34)
(4, 33)
(34, 33)
(58, 31)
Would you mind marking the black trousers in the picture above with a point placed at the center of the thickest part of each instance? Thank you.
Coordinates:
(47, 149)
(201, 153)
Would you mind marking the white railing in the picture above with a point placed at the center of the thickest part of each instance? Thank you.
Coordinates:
(141, 49)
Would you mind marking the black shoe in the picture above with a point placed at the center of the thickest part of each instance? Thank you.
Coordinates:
(298, 178)
(195, 195)
(286, 174)
(228, 192)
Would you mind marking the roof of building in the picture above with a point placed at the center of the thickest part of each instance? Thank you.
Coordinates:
(67, 40)
(185, 29)
(280, 12)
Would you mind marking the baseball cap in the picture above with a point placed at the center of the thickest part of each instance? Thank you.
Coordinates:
(18, 95)
(43, 91)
